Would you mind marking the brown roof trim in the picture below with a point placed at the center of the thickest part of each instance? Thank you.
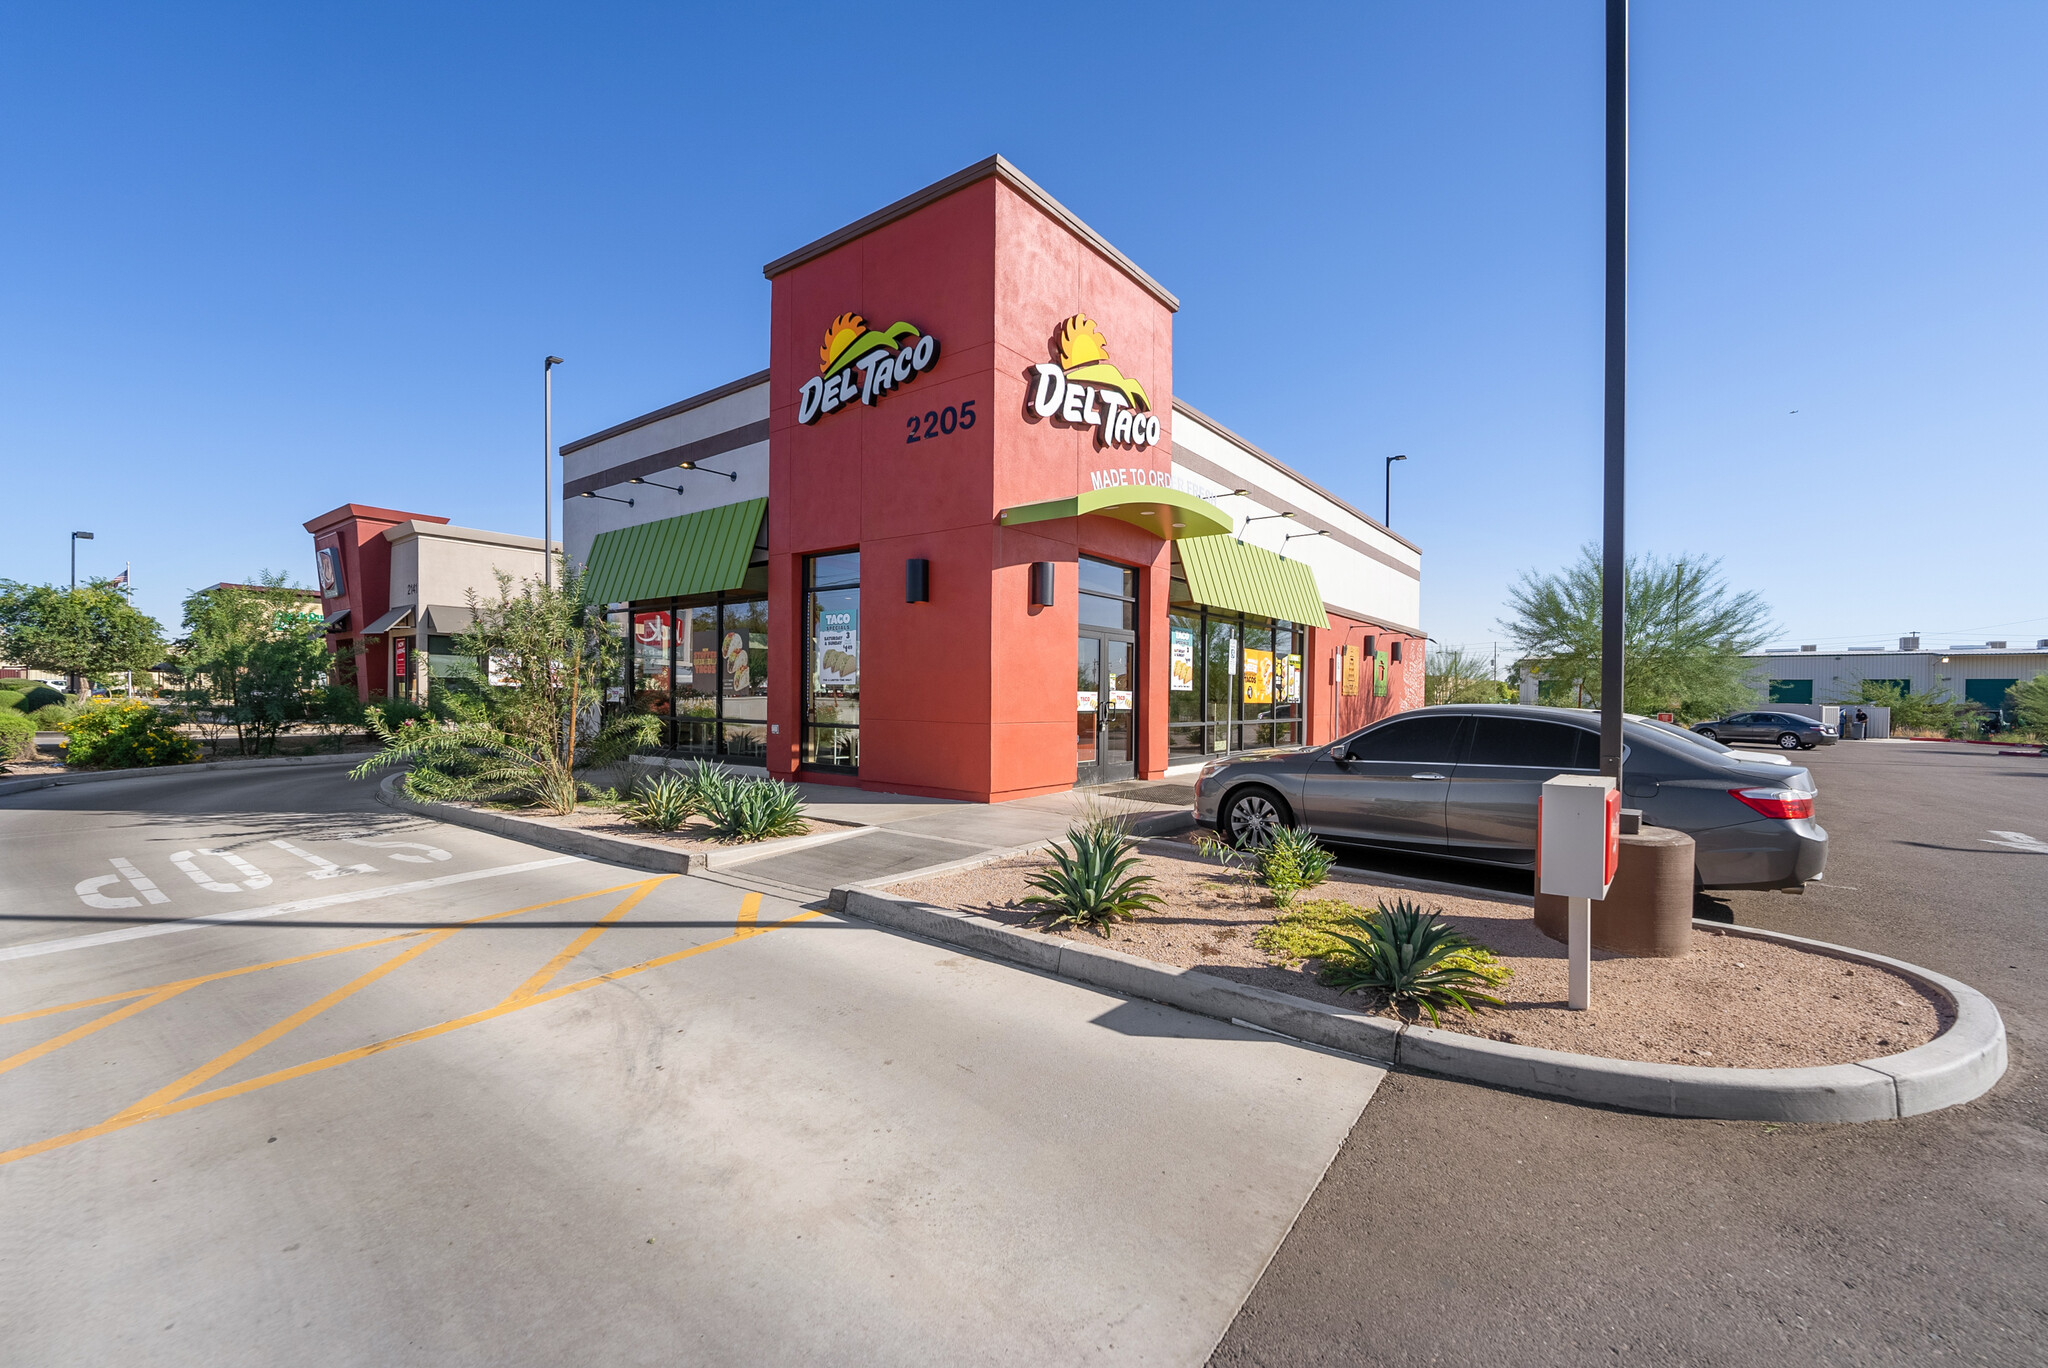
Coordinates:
(704, 449)
(1202, 465)
(745, 382)
(1001, 168)
(364, 513)
(1291, 473)
(1370, 620)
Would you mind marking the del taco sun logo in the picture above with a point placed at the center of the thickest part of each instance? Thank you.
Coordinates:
(857, 360)
(1086, 387)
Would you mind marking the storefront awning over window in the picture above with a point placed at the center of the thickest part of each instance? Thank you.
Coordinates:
(442, 619)
(337, 619)
(1224, 572)
(1164, 512)
(400, 616)
(696, 553)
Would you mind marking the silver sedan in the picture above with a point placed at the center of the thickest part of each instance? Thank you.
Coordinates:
(1462, 781)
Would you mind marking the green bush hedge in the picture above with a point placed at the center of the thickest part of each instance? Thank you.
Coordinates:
(17, 736)
(41, 696)
(125, 736)
(10, 697)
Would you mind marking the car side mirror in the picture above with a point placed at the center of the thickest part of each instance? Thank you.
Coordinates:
(1340, 754)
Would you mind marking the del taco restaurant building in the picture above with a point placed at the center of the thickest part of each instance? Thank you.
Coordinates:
(961, 538)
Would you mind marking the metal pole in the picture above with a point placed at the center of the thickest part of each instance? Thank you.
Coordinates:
(1387, 516)
(1614, 561)
(1578, 953)
(547, 473)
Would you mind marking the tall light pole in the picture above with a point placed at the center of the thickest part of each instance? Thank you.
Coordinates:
(76, 538)
(1613, 557)
(1387, 518)
(547, 471)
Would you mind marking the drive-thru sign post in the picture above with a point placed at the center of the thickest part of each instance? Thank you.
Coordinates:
(1578, 844)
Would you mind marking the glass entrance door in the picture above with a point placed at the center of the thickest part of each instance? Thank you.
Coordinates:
(1105, 710)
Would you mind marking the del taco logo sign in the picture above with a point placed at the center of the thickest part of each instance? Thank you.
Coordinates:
(864, 363)
(1085, 387)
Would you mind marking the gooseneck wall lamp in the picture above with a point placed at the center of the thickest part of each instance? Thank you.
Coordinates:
(1263, 517)
(692, 465)
(587, 494)
(1297, 536)
(673, 489)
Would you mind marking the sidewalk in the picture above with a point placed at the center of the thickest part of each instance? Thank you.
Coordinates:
(900, 834)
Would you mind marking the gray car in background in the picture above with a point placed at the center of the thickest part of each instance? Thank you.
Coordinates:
(1462, 781)
(1787, 731)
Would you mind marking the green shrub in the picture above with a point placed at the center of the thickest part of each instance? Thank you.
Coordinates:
(1091, 884)
(1291, 861)
(41, 696)
(53, 717)
(757, 810)
(10, 697)
(2030, 701)
(1308, 932)
(397, 711)
(17, 736)
(125, 736)
(660, 804)
(1411, 959)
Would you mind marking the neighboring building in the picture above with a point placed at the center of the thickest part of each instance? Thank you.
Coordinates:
(1977, 674)
(394, 588)
(960, 538)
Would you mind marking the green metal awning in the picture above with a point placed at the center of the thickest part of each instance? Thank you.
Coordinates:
(1224, 572)
(1160, 510)
(696, 553)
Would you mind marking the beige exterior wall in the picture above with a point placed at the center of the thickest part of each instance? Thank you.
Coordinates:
(436, 563)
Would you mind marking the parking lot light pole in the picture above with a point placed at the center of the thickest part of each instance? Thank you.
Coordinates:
(547, 470)
(1387, 516)
(76, 538)
(1614, 561)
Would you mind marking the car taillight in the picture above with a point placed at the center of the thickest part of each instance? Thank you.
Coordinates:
(1776, 802)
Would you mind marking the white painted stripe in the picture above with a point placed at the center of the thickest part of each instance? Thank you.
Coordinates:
(52, 947)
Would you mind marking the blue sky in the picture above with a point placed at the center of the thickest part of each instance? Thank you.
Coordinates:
(264, 260)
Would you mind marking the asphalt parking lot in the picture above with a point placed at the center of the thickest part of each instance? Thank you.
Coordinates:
(286, 1077)
(1462, 1225)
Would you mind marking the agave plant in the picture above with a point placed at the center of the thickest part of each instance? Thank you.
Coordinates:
(1291, 859)
(661, 804)
(1090, 885)
(753, 809)
(1412, 958)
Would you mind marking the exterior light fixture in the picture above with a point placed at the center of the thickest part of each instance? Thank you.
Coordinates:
(547, 469)
(1394, 651)
(1297, 536)
(586, 494)
(917, 581)
(1041, 584)
(673, 489)
(1388, 520)
(692, 465)
(76, 538)
(1263, 517)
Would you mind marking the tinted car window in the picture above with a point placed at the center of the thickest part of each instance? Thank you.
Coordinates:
(1522, 741)
(1415, 740)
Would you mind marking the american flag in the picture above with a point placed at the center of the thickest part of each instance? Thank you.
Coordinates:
(119, 580)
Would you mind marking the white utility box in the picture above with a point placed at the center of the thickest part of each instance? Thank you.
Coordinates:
(1578, 835)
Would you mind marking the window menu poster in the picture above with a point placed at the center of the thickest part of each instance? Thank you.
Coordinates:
(837, 650)
(1181, 660)
(1290, 679)
(1258, 676)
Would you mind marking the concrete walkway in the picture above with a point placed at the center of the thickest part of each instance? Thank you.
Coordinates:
(900, 833)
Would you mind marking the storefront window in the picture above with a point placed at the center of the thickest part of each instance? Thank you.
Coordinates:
(696, 708)
(743, 682)
(1242, 676)
(705, 664)
(651, 673)
(832, 661)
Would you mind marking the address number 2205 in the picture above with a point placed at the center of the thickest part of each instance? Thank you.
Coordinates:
(941, 422)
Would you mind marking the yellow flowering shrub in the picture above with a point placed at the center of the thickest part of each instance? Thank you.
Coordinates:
(124, 735)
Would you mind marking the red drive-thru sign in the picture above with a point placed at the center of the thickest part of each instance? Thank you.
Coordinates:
(1578, 848)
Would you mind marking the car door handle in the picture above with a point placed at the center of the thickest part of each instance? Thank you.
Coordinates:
(1429, 776)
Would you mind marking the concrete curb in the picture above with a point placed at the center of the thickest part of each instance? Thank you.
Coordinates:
(1957, 1066)
(594, 845)
(43, 781)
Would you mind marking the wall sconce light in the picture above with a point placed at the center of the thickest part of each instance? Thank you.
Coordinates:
(1395, 656)
(1372, 645)
(917, 581)
(1041, 584)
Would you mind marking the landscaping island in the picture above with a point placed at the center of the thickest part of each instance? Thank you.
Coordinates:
(1730, 1003)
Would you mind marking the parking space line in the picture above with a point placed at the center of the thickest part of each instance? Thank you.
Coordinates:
(746, 927)
(576, 947)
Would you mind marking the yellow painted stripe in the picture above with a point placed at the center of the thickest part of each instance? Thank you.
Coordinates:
(749, 910)
(227, 1059)
(583, 942)
(98, 1023)
(301, 959)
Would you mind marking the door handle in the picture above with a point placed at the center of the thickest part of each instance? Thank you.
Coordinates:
(1429, 776)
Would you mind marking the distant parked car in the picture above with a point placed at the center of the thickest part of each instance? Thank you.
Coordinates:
(1787, 731)
(1462, 781)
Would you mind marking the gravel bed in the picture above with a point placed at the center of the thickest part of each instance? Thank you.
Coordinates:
(1731, 1003)
(695, 835)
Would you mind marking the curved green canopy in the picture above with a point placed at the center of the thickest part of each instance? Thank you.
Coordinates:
(1159, 509)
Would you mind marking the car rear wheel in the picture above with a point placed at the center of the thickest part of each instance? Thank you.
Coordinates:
(1252, 816)
(1788, 740)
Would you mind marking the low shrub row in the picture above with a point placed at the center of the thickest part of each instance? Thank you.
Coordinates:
(125, 735)
(739, 808)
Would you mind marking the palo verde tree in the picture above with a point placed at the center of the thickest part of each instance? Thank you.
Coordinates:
(1684, 638)
(252, 659)
(1451, 674)
(93, 630)
(543, 659)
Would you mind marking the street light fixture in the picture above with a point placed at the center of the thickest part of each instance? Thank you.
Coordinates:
(1387, 520)
(76, 538)
(547, 470)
